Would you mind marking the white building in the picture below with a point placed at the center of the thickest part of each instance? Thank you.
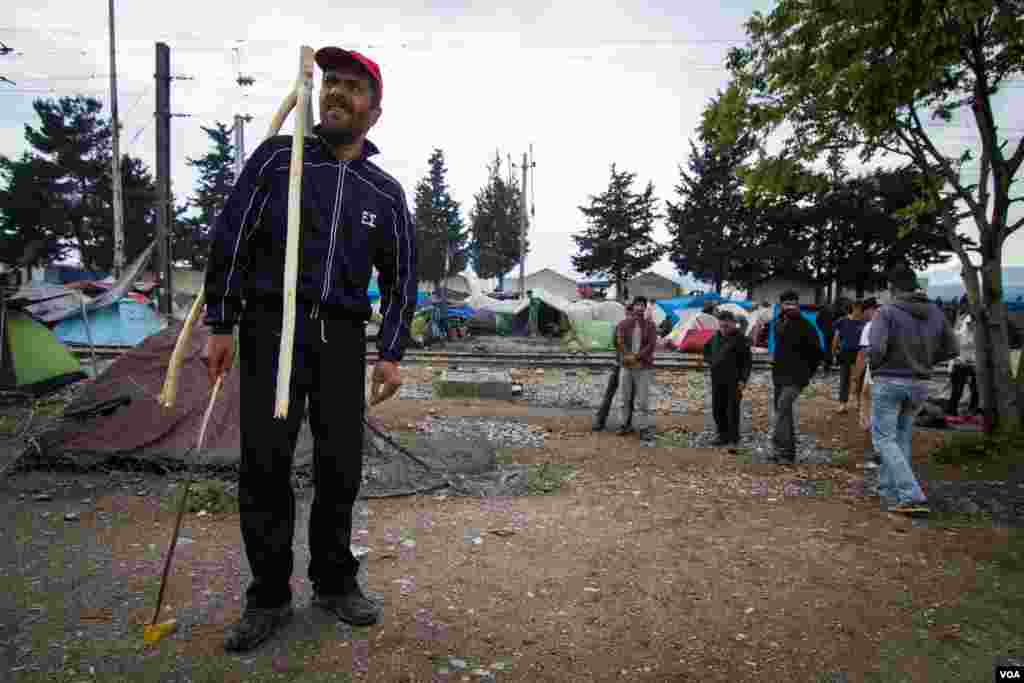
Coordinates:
(548, 280)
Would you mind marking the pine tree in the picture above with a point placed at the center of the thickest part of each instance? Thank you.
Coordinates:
(495, 225)
(715, 236)
(440, 234)
(31, 227)
(617, 241)
(216, 178)
(73, 145)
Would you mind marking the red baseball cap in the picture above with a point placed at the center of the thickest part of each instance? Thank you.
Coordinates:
(334, 57)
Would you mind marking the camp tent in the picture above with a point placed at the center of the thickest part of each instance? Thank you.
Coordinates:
(34, 361)
(693, 331)
(125, 322)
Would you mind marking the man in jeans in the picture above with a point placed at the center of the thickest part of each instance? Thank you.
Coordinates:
(797, 355)
(635, 339)
(907, 338)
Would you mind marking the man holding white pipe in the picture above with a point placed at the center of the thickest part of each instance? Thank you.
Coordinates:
(354, 218)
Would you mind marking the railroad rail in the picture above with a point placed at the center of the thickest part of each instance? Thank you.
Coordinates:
(602, 360)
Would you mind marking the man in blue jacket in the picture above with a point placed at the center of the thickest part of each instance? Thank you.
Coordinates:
(354, 218)
(907, 338)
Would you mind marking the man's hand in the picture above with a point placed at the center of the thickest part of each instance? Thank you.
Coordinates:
(630, 360)
(385, 381)
(739, 390)
(219, 355)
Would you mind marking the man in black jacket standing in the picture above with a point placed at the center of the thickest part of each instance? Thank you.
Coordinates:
(797, 355)
(354, 218)
(728, 355)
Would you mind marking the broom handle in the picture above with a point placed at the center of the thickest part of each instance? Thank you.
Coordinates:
(184, 500)
(303, 92)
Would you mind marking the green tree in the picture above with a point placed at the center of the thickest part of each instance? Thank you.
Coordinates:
(715, 235)
(73, 142)
(618, 241)
(495, 225)
(441, 236)
(216, 178)
(31, 227)
(870, 77)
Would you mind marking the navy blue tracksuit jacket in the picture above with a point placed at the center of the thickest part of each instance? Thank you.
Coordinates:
(354, 218)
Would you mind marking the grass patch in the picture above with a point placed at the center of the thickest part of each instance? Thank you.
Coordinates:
(958, 642)
(958, 520)
(985, 456)
(548, 477)
(213, 495)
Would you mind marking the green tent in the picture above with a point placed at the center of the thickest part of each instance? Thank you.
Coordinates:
(34, 361)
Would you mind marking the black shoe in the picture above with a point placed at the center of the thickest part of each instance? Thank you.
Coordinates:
(784, 458)
(352, 607)
(624, 430)
(597, 427)
(255, 627)
(720, 441)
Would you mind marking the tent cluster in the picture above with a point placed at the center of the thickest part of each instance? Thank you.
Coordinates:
(41, 320)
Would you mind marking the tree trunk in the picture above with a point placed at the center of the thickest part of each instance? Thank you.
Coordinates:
(999, 400)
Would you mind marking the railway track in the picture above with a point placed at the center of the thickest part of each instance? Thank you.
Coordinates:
(533, 359)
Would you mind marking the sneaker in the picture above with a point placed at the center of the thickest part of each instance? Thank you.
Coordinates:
(623, 431)
(352, 607)
(720, 441)
(597, 427)
(255, 627)
(911, 509)
(870, 465)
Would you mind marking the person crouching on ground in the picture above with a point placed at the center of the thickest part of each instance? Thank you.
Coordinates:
(908, 337)
(729, 357)
(797, 356)
(635, 339)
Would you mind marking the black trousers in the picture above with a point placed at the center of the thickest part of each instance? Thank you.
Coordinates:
(725, 406)
(847, 359)
(609, 396)
(960, 377)
(328, 368)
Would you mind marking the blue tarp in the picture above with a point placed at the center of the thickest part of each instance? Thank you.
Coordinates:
(421, 297)
(812, 316)
(125, 323)
(62, 275)
(670, 306)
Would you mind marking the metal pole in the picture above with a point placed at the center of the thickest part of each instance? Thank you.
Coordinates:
(163, 169)
(522, 234)
(239, 145)
(116, 160)
(88, 334)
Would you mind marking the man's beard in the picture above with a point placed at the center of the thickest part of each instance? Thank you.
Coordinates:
(339, 136)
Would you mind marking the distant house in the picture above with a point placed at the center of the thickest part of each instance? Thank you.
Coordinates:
(456, 284)
(769, 290)
(652, 286)
(548, 280)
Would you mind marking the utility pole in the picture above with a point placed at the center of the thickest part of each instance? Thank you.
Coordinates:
(116, 160)
(522, 233)
(239, 129)
(163, 170)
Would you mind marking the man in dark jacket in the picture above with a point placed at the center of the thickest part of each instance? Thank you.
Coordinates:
(729, 358)
(907, 338)
(797, 356)
(354, 218)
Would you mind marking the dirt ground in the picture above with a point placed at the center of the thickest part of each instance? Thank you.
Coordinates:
(648, 564)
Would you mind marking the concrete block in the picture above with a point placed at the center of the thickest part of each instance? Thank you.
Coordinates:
(476, 384)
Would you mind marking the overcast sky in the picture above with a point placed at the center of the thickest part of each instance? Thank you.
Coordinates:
(588, 84)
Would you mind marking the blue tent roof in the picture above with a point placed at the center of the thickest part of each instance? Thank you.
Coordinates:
(670, 306)
(125, 323)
